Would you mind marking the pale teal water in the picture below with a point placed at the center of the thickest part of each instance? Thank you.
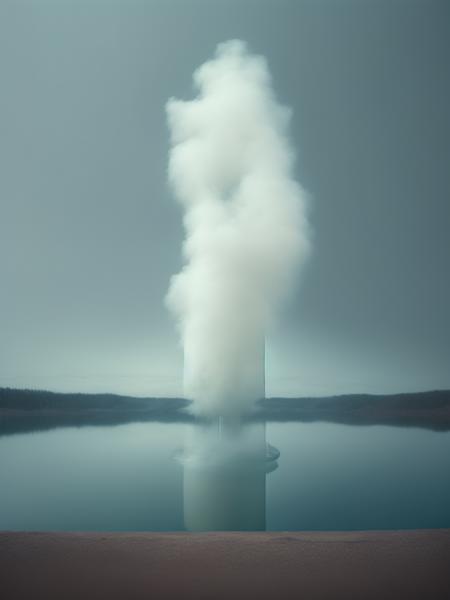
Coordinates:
(127, 477)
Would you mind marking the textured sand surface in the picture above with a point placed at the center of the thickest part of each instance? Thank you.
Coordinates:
(351, 565)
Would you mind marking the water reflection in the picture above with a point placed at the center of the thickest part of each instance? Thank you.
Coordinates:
(124, 478)
(224, 476)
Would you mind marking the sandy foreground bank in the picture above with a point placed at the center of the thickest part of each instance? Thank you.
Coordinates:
(353, 565)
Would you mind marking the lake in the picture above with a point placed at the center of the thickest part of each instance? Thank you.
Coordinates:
(175, 476)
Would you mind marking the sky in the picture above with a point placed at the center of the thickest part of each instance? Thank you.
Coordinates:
(90, 232)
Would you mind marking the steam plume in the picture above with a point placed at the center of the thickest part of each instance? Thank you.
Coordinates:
(246, 230)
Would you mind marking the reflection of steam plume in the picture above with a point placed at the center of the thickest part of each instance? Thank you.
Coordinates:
(230, 167)
(224, 477)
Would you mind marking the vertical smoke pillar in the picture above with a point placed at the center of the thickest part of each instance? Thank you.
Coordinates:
(246, 229)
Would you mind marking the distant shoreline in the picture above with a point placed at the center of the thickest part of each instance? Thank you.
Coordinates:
(27, 410)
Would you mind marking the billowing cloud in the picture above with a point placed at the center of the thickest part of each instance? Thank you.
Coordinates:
(246, 226)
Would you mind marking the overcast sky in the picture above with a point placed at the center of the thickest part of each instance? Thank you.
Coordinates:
(90, 233)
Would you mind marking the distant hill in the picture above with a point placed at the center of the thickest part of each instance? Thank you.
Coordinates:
(31, 410)
(421, 409)
(26, 410)
(32, 400)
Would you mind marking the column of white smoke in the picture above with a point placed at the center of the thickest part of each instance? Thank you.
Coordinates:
(246, 230)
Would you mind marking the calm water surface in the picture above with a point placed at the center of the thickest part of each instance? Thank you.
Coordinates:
(165, 477)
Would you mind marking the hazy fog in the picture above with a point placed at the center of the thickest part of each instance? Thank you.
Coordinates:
(90, 233)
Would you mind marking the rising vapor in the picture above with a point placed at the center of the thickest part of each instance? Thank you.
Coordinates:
(246, 227)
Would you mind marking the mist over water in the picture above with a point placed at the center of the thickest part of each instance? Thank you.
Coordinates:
(246, 227)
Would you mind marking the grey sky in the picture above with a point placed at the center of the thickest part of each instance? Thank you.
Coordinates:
(90, 235)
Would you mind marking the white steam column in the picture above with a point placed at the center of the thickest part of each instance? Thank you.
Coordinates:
(246, 234)
(230, 167)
